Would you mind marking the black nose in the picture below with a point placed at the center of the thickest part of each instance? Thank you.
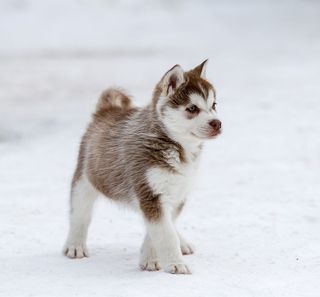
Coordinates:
(215, 124)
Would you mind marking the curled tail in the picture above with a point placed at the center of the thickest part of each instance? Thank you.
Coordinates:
(113, 99)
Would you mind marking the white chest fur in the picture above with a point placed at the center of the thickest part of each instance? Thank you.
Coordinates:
(173, 186)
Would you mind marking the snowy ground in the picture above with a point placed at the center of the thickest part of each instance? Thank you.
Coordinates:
(255, 213)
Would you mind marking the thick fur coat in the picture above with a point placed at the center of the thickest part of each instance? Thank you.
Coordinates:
(145, 158)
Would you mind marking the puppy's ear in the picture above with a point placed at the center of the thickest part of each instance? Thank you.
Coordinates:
(200, 70)
(172, 80)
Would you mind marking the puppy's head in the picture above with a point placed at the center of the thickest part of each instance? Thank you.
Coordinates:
(186, 104)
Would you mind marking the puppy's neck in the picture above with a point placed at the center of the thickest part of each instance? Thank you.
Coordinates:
(188, 143)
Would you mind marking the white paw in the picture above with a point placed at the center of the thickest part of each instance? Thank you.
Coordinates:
(76, 251)
(148, 257)
(149, 265)
(187, 248)
(178, 269)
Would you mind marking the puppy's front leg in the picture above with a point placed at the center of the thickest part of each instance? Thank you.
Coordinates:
(167, 244)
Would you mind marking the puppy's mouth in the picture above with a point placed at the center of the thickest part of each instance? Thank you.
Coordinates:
(214, 133)
(209, 135)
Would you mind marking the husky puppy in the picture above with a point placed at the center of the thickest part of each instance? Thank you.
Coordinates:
(145, 158)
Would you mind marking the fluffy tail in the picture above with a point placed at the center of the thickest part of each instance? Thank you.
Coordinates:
(113, 99)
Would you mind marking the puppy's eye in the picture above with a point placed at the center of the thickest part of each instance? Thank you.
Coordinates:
(192, 109)
(214, 105)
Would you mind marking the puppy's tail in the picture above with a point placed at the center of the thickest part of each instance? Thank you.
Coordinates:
(113, 99)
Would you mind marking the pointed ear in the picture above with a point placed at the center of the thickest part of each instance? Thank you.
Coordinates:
(200, 70)
(172, 80)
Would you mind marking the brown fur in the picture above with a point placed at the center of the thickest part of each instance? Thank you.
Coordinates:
(113, 99)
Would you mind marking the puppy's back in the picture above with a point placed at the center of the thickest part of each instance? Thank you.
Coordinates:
(100, 156)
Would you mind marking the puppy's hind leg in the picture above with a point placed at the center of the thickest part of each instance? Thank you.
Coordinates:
(186, 247)
(83, 196)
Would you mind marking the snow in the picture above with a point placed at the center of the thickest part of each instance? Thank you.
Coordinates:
(254, 214)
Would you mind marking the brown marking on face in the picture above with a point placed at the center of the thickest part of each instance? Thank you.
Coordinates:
(199, 85)
(193, 84)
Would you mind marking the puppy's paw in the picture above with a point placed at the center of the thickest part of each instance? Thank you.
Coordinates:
(178, 269)
(148, 257)
(149, 265)
(187, 248)
(76, 251)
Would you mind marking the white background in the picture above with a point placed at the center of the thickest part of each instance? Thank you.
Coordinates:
(254, 215)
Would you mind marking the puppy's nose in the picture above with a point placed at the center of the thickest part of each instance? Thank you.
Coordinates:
(215, 124)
